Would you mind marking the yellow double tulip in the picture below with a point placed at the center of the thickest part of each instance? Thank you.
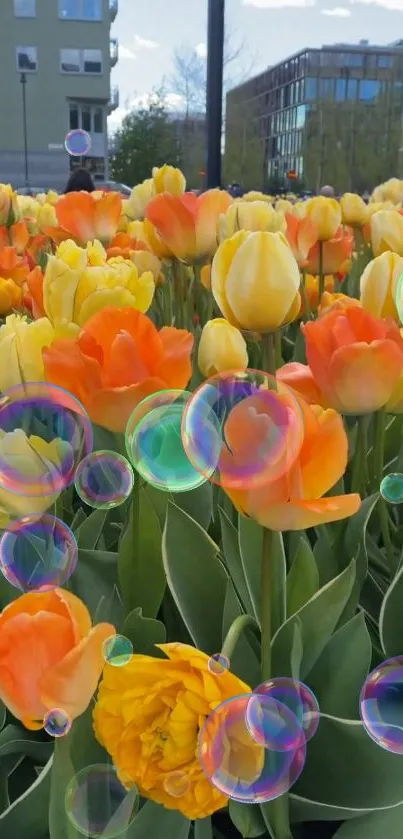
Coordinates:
(221, 347)
(21, 345)
(379, 285)
(33, 456)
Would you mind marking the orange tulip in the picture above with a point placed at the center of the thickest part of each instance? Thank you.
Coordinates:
(355, 360)
(187, 223)
(294, 501)
(311, 286)
(118, 359)
(50, 655)
(17, 236)
(336, 301)
(12, 266)
(34, 297)
(303, 237)
(122, 244)
(302, 234)
(86, 218)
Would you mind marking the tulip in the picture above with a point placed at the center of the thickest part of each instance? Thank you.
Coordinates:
(391, 190)
(294, 501)
(354, 358)
(283, 205)
(139, 253)
(354, 210)
(254, 195)
(118, 359)
(21, 345)
(311, 287)
(8, 203)
(250, 215)
(46, 217)
(221, 347)
(169, 179)
(146, 232)
(325, 214)
(135, 207)
(10, 297)
(13, 267)
(387, 232)
(379, 285)
(187, 224)
(255, 281)
(50, 655)
(85, 217)
(336, 254)
(205, 277)
(336, 301)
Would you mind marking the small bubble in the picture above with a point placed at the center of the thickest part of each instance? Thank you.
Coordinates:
(77, 142)
(118, 650)
(57, 723)
(218, 664)
(391, 488)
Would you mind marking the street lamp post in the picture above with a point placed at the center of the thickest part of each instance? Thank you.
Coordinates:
(215, 59)
(23, 80)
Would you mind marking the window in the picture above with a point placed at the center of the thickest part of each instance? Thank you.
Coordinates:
(340, 90)
(98, 121)
(301, 112)
(25, 8)
(385, 61)
(311, 89)
(369, 90)
(352, 89)
(27, 59)
(80, 9)
(326, 87)
(354, 59)
(86, 118)
(73, 117)
(81, 61)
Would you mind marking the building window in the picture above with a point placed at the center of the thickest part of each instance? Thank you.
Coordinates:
(25, 8)
(352, 90)
(369, 90)
(98, 121)
(385, 61)
(326, 87)
(354, 59)
(73, 117)
(340, 90)
(86, 118)
(311, 89)
(301, 113)
(27, 61)
(81, 61)
(80, 9)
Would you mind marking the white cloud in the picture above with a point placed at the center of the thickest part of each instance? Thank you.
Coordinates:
(279, 4)
(124, 52)
(338, 11)
(201, 50)
(144, 44)
(174, 102)
(392, 5)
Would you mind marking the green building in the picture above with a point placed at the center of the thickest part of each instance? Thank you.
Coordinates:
(64, 52)
(331, 116)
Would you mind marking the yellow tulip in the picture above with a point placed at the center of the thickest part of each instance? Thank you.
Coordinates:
(387, 232)
(169, 179)
(10, 297)
(21, 345)
(250, 215)
(27, 206)
(46, 217)
(354, 210)
(205, 277)
(147, 261)
(391, 190)
(375, 206)
(33, 456)
(253, 195)
(96, 253)
(284, 205)
(9, 212)
(379, 285)
(146, 232)
(326, 214)
(135, 206)
(221, 347)
(255, 281)
(74, 289)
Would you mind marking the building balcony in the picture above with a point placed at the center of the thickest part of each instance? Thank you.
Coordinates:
(114, 100)
(113, 9)
(114, 51)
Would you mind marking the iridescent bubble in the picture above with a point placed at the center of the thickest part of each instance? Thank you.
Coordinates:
(104, 479)
(399, 297)
(38, 552)
(381, 705)
(98, 805)
(391, 488)
(77, 142)
(272, 725)
(176, 783)
(238, 766)
(251, 420)
(154, 442)
(294, 695)
(45, 432)
(118, 650)
(57, 723)
(218, 664)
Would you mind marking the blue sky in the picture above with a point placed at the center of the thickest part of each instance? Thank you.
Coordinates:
(150, 30)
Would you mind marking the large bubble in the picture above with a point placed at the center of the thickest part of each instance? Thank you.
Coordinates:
(238, 766)
(38, 552)
(254, 423)
(154, 442)
(44, 434)
(290, 693)
(104, 480)
(98, 805)
(381, 705)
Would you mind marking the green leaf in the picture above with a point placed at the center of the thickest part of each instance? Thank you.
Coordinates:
(391, 617)
(110, 609)
(325, 556)
(18, 741)
(88, 533)
(141, 573)
(144, 633)
(197, 503)
(155, 822)
(159, 501)
(63, 772)
(250, 546)
(247, 818)
(3, 713)
(233, 560)
(245, 658)
(318, 619)
(27, 816)
(203, 829)
(302, 579)
(278, 588)
(94, 577)
(84, 747)
(340, 672)
(355, 538)
(387, 823)
(346, 768)
(196, 578)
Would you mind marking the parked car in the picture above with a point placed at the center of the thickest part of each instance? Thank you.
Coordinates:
(114, 186)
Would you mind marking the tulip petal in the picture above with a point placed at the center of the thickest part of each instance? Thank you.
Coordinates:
(174, 219)
(76, 214)
(299, 515)
(299, 378)
(175, 366)
(111, 407)
(363, 376)
(107, 212)
(66, 366)
(71, 683)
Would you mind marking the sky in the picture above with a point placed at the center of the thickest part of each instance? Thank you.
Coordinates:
(149, 32)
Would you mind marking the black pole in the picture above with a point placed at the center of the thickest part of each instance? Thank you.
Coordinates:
(24, 120)
(215, 56)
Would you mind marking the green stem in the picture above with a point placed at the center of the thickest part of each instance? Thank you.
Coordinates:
(269, 353)
(167, 302)
(358, 478)
(302, 290)
(278, 349)
(265, 610)
(378, 459)
(178, 289)
(234, 633)
(321, 273)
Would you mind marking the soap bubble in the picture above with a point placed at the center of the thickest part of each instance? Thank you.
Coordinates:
(104, 480)
(77, 142)
(98, 805)
(381, 705)
(218, 664)
(38, 552)
(118, 650)
(176, 784)
(291, 693)
(57, 723)
(391, 488)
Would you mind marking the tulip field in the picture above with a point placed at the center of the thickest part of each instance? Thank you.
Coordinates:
(201, 527)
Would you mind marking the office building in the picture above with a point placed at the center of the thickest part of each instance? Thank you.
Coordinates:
(59, 53)
(329, 115)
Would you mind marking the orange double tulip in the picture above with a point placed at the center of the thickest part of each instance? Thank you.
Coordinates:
(118, 359)
(188, 223)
